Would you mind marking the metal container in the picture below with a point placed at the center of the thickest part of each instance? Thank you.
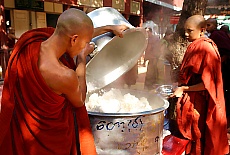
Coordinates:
(107, 16)
(165, 90)
(130, 133)
(113, 56)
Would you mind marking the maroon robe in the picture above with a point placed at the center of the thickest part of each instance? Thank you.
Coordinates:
(201, 115)
(35, 120)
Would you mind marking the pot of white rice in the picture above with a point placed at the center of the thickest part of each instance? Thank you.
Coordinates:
(127, 122)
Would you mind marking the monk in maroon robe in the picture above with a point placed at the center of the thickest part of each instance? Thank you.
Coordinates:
(11, 37)
(222, 40)
(43, 90)
(201, 107)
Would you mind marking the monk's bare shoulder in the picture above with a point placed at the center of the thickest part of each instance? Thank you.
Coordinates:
(58, 77)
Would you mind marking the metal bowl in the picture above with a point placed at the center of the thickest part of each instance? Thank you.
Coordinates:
(165, 90)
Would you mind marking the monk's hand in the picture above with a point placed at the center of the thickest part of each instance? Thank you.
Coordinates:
(88, 49)
(178, 92)
(118, 29)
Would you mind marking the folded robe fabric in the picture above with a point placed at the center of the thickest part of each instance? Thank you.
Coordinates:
(202, 58)
(187, 120)
(35, 120)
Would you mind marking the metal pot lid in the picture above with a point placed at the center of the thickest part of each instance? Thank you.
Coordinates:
(108, 16)
(117, 57)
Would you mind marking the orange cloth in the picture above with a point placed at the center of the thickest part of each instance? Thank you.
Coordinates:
(202, 60)
(35, 120)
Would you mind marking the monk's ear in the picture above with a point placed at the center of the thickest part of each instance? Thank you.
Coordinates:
(202, 31)
(74, 39)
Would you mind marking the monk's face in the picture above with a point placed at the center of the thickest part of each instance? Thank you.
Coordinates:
(192, 31)
(210, 25)
(80, 42)
(12, 31)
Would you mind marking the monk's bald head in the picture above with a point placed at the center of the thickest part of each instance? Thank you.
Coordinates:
(194, 27)
(212, 20)
(211, 24)
(73, 21)
(225, 28)
(197, 20)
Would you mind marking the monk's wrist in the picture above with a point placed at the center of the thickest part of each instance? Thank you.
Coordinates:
(108, 28)
(81, 59)
(185, 88)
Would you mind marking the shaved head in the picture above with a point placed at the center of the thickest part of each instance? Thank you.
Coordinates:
(73, 21)
(197, 20)
(211, 25)
(225, 28)
(213, 21)
(194, 27)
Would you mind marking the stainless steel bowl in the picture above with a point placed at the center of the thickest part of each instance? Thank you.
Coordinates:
(130, 133)
(165, 90)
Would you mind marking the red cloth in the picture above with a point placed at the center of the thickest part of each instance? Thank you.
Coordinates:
(173, 145)
(35, 120)
(203, 60)
(187, 120)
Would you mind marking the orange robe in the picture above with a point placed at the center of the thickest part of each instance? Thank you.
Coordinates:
(201, 115)
(35, 120)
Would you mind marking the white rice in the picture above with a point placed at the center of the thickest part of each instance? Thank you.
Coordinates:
(114, 101)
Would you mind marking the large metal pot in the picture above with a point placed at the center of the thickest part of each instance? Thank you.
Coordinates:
(130, 133)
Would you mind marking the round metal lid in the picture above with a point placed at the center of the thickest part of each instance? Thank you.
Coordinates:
(117, 57)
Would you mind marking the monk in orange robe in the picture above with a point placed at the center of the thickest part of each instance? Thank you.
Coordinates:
(43, 90)
(201, 107)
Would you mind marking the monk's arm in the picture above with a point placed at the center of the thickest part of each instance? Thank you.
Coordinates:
(116, 29)
(180, 90)
(197, 87)
(74, 86)
(81, 68)
(13, 36)
(81, 71)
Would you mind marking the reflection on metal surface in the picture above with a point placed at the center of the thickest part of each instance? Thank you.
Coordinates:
(113, 56)
(165, 90)
(117, 57)
(107, 16)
